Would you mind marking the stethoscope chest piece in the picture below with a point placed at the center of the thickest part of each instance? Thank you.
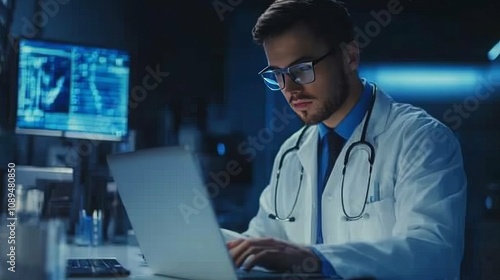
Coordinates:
(365, 216)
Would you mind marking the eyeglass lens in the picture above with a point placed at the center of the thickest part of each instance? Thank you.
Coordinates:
(301, 73)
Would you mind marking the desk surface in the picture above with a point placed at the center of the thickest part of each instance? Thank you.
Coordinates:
(129, 256)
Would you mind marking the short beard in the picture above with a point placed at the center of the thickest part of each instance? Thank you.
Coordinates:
(332, 104)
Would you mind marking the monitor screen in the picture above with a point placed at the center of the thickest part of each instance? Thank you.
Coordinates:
(72, 91)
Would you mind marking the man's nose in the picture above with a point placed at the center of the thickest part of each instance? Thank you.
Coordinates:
(291, 87)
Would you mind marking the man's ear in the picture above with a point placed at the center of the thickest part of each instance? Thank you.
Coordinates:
(350, 55)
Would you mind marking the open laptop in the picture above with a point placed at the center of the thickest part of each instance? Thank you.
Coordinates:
(173, 219)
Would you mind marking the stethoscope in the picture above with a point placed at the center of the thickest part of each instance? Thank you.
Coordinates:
(361, 144)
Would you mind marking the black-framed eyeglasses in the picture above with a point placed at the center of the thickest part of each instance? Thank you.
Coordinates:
(301, 73)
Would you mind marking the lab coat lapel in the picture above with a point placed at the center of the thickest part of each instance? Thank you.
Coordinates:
(307, 155)
(308, 151)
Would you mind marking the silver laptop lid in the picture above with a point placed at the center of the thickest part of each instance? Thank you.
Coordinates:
(171, 213)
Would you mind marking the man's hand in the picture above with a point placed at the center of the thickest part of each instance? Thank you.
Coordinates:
(272, 254)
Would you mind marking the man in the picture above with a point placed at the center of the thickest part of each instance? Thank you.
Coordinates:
(326, 209)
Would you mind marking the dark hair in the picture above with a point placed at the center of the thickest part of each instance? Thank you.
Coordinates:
(328, 19)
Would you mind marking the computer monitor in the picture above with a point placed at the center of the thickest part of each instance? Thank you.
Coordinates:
(72, 91)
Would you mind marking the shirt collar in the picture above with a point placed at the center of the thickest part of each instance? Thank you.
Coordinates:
(347, 126)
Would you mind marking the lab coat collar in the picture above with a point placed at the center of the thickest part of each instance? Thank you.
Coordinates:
(380, 114)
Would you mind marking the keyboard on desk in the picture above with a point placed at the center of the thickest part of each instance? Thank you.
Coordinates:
(95, 268)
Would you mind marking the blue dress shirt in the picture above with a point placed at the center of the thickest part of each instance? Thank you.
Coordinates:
(345, 129)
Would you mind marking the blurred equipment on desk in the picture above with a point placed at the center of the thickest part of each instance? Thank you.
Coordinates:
(29, 205)
(43, 193)
(40, 250)
(60, 96)
(113, 218)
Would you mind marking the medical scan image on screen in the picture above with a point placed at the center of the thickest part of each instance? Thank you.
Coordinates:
(67, 89)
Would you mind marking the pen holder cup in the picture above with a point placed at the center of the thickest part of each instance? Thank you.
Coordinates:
(89, 230)
(83, 232)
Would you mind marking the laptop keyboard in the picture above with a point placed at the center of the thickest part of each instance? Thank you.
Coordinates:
(95, 268)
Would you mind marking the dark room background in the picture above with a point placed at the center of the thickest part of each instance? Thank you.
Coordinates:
(211, 99)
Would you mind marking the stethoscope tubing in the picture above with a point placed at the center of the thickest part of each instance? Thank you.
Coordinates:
(296, 147)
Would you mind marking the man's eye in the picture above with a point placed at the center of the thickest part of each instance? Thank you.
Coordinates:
(305, 67)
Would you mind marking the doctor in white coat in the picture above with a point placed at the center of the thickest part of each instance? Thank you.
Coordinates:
(394, 207)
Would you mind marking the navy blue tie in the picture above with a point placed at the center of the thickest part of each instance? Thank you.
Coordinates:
(329, 149)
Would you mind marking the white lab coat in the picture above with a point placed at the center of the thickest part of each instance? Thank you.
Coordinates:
(414, 229)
